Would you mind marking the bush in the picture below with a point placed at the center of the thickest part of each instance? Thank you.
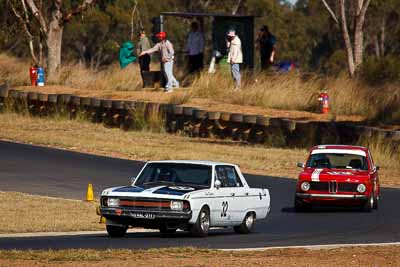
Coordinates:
(380, 71)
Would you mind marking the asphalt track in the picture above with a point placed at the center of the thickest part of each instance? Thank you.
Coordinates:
(59, 173)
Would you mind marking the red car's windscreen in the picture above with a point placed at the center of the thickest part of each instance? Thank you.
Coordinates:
(337, 161)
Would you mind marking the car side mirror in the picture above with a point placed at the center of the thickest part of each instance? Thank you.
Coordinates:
(133, 179)
(377, 168)
(300, 165)
(217, 184)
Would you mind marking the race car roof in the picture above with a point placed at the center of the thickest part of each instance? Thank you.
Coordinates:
(347, 147)
(196, 162)
(339, 151)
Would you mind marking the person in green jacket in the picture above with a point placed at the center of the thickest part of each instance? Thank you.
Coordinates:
(126, 54)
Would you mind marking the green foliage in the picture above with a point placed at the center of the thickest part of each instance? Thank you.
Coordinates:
(336, 63)
(380, 71)
(305, 32)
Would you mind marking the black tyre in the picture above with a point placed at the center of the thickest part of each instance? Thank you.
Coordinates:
(301, 206)
(202, 225)
(247, 225)
(116, 231)
(376, 200)
(167, 231)
(369, 204)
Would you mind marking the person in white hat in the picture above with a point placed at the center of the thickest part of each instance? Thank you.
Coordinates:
(235, 56)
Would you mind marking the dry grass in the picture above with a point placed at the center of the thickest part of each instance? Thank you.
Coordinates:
(44, 214)
(352, 256)
(271, 92)
(144, 145)
(13, 70)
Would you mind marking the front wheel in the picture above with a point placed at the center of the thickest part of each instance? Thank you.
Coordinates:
(202, 225)
(247, 225)
(116, 231)
(369, 204)
(164, 230)
(376, 200)
(301, 206)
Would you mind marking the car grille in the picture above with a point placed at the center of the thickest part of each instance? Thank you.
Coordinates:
(141, 203)
(145, 204)
(319, 186)
(333, 186)
(348, 187)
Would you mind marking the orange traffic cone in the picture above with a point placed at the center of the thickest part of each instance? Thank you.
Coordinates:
(90, 194)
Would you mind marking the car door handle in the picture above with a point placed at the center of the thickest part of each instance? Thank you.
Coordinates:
(246, 194)
(232, 194)
(209, 194)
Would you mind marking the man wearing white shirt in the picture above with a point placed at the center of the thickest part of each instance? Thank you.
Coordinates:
(195, 48)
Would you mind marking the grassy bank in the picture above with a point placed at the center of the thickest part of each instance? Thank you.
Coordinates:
(352, 256)
(261, 94)
(22, 213)
(144, 145)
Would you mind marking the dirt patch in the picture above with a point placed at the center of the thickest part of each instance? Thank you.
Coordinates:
(352, 256)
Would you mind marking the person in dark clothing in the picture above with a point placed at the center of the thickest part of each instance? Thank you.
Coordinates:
(195, 48)
(143, 45)
(266, 44)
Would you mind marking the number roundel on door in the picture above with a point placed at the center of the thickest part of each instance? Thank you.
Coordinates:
(224, 208)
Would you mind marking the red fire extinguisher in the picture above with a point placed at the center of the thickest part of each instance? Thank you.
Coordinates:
(33, 75)
(323, 100)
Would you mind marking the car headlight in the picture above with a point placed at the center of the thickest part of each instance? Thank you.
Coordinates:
(305, 186)
(361, 188)
(112, 202)
(176, 205)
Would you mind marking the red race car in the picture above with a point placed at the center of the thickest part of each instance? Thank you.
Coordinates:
(338, 175)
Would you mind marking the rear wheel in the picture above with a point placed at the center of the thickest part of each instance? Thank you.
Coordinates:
(247, 225)
(116, 231)
(202, 225)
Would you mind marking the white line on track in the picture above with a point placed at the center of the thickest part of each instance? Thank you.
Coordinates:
(93, 233)
(56, 234)
(317, 247)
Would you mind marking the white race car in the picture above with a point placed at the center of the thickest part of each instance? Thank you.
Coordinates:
(187, 195)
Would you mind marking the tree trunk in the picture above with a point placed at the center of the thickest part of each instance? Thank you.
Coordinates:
(347, 41)
(383, 37)
(358, 36)
(376, 46)
(54, 40)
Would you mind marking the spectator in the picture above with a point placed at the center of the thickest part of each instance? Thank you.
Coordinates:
(266, 43)
(166, 49)
(195, 48)
(143, 45)
(126, 54)
(235, 56)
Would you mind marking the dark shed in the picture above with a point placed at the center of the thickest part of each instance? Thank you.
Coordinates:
(243, 24)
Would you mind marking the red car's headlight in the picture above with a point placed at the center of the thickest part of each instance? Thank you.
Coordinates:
(361, 188)
(305, 186)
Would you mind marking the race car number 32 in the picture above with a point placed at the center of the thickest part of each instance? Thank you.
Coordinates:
(143, 215)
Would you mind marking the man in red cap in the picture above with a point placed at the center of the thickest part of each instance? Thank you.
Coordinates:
(166, 49)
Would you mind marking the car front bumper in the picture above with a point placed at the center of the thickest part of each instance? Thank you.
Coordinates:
(331, 196)
(144, 214)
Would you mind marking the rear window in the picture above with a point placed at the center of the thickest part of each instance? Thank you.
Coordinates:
(337, 161)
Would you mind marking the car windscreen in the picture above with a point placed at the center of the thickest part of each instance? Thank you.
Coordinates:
(337, 161)
(194, 175)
